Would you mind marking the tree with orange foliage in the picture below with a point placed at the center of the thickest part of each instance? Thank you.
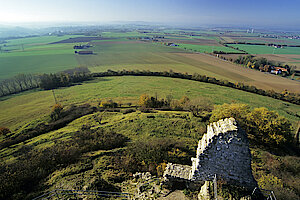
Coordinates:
(144, 101)
(56, 111)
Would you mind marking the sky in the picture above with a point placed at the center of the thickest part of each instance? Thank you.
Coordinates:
(190, 12)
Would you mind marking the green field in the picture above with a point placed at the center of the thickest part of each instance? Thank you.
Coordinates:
(207, 49)
(38, 40)
(135, 55)
(22, 108)
(36, 56)
(37, 59)
(261, 49)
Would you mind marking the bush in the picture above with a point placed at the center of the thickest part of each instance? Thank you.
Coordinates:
(263, 126)
(108, 104)
(151, 154)
(4, 131)
(237, 111)
(144, 101)
(268, 127)
(95, 139)
(56, 111)
(198, 106)
(129, 110)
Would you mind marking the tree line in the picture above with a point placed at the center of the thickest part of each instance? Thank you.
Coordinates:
(23, 82)
(64, 79)
(284, 96)
(18, 83)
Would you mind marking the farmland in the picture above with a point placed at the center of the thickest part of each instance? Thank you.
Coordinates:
(35, 55)
(114, 51)
(262, 49)
(207, 49)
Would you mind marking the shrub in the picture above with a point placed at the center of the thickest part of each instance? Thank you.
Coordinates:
(56, 111)
(150, 154)
(144, 101)
(4, 131)
(237, 111)
(108, 104)
(268, 127)
(198, 106)
(95, 139)
(263, 126)
(129, 110)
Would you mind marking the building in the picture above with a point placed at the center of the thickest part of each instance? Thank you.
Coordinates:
(84, 52)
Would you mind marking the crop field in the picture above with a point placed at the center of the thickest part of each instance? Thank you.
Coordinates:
(36, 55)
(228, 71)
(128, 55)
(37, 59)
(38, 40)
(19, 109)
(206, 48)
(266, 40)
(261, 49)
(203, 42)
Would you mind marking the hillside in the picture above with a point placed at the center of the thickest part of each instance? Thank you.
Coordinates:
(100, 151)
(34, 104)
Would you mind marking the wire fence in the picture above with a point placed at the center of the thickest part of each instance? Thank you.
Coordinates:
(82, 194)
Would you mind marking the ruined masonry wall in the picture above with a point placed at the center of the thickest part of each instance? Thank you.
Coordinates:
(224, 151)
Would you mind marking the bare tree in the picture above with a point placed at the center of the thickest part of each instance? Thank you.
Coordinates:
(2, 89)
(19, 80)
(6, 85)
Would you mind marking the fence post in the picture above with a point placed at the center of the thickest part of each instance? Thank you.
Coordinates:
(215, 188)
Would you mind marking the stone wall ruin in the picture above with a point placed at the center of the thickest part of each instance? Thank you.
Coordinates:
(222, 151)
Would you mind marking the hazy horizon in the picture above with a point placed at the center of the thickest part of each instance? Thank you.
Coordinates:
(190, 12)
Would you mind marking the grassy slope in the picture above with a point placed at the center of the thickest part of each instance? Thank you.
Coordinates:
(269, 170)
(23, 108)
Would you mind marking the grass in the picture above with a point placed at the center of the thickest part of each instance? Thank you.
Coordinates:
(37, 40)
(14, 65)
(128, 89)
(41, 58)
(137, 55)
(207, 49)
(261, 49)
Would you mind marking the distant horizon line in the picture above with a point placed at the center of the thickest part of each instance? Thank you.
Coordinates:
(48, 24)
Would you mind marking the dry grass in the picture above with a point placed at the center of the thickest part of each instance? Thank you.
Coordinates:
(229, 71)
